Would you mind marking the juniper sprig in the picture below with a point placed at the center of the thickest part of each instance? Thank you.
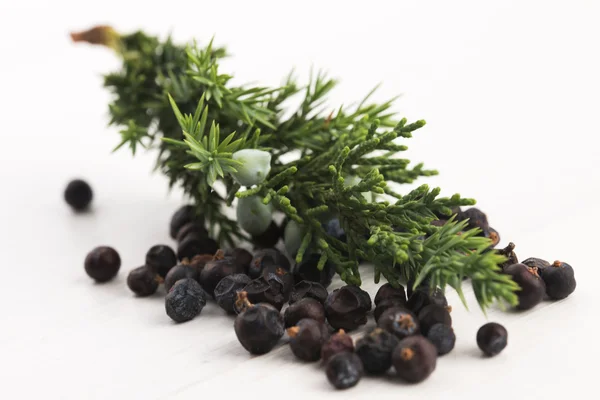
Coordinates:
(322, 164)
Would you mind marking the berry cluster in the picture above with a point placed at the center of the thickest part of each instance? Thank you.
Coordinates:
(270, 297)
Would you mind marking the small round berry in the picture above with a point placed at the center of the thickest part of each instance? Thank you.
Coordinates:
(338, 343)
(433, 314)
(347, 307)
(256, 165)
(264, 258)
(538, 263)
(388, 291)
(263, 291)
(424, 296)
(492, 338)
(477, 219)
(186, 269)
(78, 195)
(183, 216)
(185, 300)
(305, 308)
(227, 290)
(253, 216)
(307, 289)
(559, 279)
(102, 263)
(386, 304)
(399, 322)
(307, 338)
(194, 245)
(161, 258)
(215, 270)
(195, 227)
(268, 238)
(142, 281)
(443, 338)
(375, 350)
(414, 359)
(344, 370)
(240, 256)
(532, 286)
(258, 327)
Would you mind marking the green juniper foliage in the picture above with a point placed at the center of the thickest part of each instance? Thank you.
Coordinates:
(174, 98)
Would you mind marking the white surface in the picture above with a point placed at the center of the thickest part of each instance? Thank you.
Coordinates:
(510, 94)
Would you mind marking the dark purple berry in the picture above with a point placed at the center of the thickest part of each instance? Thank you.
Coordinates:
(387, 291)
(433, 314)
(375, 350)
(227, 290)
(559, 279)
(182, 216)
(305, 308)
(414, 359)
(424, 296)
(242, 257)
(477, 219)
(102, 263)
(279, 276)
(258, 327)
(347, 307)
(532, 286)
(443, 338)
(215, 270)
(344, 370)
(510, 254)
(268, 238)
(142, 281)
(194, 245)
(410, 286)
(387, 304)
(78, 195)
(263, 291)
(537, 263)
(492, 338)
(313, 290)
(186, 269)
(267, 257)
(161, 258)
(399, 322)
(307, 270)
(306, 339)
(493, 235)
(338, 343)
(185, 300)
(191, 228)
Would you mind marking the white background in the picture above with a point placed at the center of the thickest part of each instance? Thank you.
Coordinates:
(510, 93)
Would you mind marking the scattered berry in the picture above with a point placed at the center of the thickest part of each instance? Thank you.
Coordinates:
(477, 219)
(307, 270)
(142, 281)
(414, 359)
(78, 195)
(183, 216)
(387, 291)
(280, 277)
(443, 338)
(186, 269)
(344, 370)
(215, 270)
(347, 307)
(492, 338)
(227, 290)
(387, 304)
(240, 256)
(424, 296)
(307, 289)
(266, 257)
(192, 228)
(305, 308)
(307, 338)
(262, 291)
(194, 244)
(375, 350)
(185, 300)
(161, 259)
(102, 263)
(532, 286)
(338, 342)
(399, 322)
(268, 238)
(509, 253)
(259, 326)
(433, 314)
(559, 279)
(538, 263)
